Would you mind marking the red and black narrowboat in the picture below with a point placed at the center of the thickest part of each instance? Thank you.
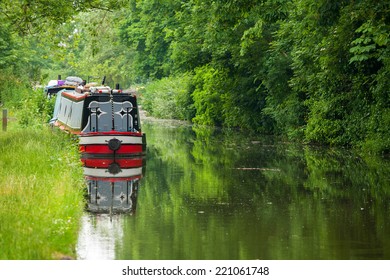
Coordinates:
(106, 120)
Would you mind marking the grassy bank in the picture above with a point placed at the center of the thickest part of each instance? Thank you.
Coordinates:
(41, 197)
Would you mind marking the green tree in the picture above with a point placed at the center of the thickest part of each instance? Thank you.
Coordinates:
(312, 71)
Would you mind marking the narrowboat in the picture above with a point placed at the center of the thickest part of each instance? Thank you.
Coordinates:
(106, 120)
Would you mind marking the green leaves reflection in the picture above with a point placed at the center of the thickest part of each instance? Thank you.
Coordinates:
(219, 194)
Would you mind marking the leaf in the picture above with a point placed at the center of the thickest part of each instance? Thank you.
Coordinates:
(358, 58)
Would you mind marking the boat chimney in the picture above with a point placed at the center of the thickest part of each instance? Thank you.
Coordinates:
(104, 80)
(59, 77)
(117, 86)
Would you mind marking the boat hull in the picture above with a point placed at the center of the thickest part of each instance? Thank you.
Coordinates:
(130, 144)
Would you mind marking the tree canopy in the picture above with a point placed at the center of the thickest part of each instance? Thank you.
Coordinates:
(315, 71)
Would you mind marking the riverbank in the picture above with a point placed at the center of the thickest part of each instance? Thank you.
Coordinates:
(41, 198)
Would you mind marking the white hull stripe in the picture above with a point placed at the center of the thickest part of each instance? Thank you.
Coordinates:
(103, 140)
(103, 173)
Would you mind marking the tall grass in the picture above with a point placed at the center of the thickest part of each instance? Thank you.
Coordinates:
(41, 182)
(41, 198)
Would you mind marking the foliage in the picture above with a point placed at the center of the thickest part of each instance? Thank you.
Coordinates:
(26, 17)
(30, 107)
(169, 98)
(207, 95)
(310, 71)
(6, 46)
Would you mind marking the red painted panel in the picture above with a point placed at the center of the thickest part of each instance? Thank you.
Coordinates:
(104, 149)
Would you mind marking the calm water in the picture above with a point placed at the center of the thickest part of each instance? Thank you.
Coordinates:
(208, 194)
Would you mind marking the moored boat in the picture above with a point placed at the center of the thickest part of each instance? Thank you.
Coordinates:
(106, 120)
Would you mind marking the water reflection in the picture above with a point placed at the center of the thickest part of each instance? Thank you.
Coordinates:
(112, 188)
(112, 184)
(212, 194)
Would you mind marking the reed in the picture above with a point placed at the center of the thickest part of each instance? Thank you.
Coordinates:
(41, 194)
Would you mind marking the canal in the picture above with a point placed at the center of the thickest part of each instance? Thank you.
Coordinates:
(207, 194)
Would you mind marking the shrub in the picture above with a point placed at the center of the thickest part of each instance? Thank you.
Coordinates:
(169, 98)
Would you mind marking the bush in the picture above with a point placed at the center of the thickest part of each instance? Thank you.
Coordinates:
(30, 107)
(169, 98)
(37, 109)
(208, 83)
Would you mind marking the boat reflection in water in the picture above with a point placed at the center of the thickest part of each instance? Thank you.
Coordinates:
(112, 189)
(112, 183)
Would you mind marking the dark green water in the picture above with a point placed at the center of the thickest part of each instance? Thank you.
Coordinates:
(208, 194)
